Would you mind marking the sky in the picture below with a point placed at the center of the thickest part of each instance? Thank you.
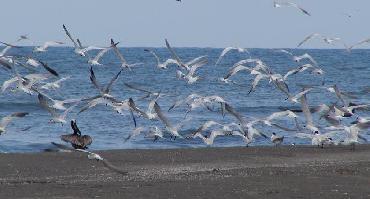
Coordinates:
(191, 23)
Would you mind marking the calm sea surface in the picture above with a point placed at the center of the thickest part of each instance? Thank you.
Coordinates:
(350, 71)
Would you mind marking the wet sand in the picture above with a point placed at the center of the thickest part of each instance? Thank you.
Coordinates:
(258, 172)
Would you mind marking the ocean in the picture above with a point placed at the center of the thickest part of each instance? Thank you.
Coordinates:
(349, 71)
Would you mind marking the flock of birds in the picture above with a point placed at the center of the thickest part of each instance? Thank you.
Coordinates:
(41, 84)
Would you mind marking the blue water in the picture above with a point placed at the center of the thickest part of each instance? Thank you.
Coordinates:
(350, 71)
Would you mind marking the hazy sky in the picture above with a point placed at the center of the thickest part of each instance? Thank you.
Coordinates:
(192, 23)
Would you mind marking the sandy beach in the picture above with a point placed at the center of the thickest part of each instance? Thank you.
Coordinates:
(258, 172)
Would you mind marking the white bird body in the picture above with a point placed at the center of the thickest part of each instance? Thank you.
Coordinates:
(228, 49)
(46, 45)
(56, 84)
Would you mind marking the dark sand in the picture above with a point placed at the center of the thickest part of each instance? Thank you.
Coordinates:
(283, 172)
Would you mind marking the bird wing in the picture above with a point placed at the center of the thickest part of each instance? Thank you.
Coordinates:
(114, 79)
(161, 116)
(223, 53)
(118, 53)
(174, 55)
(100, 54)
(44, 104)
(70, 37)
(50, 70)
(308, 38)
(6, 120)
(94, 81)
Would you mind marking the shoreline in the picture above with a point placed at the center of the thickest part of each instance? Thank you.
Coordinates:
(235, 172)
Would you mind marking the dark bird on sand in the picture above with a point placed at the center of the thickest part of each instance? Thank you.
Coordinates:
(77, 140)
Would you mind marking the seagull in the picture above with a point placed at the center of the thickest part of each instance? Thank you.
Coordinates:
(277, 140)
(186, 100)
(251, 132)
(94, 156)
(149, 93)
(104, 97)
(103, 91)
(327, 40)
(124, 63)
(297, 70)
(47, 44)
(208, 124)
(150, 113)
(151, 132)
(208, 140)
(159, 64)
(307, 113)
(235, 69)
(172, 129)
(305, 56)
(278, 115)
(227, 49)
(78, 47)
(299, 95)
(317, 139)
(56, 118)
(359, 43)
(313, 35)
(76, 139)
(197, 61)
(95, 60)
(190, 76)
(55, 85)
(289, 4)
(59, 104)
(33, 62)
(6, 120)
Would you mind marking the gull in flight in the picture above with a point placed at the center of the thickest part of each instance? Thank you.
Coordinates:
(123, 61)
(290, 4)
(327, 40)
(277, 140)
(172, 129)
(190, 75)
(150, 113)
(197, 61)
(55, 85)
(93, 156)
(6, 120)
(151, 132)
(76, 139)
(359, 44)
(277, 115)
(95, 60)
(161, 65)
(298, 70)
(251, 132)
(149, 94)
(295, 98)
(47, 44)
(208, 140)
(317, 139)
(208, 124)
(56, 118)
(307, 113)
(78, 47)
(228, 49)
(59, 104)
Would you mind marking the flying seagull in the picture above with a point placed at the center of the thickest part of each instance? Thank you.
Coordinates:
(290, 4)
(6, 120)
